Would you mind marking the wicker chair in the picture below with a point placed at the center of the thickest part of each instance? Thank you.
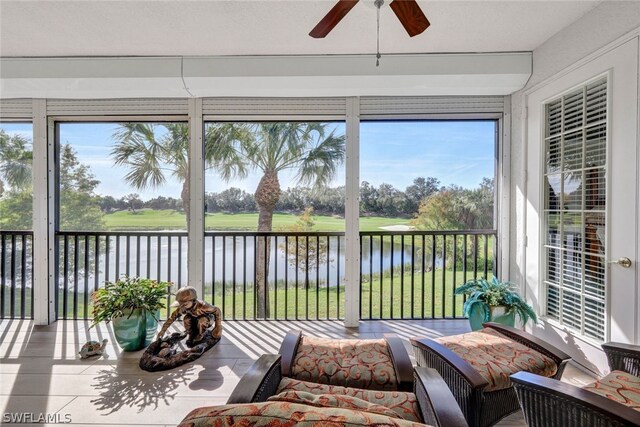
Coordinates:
(549, 403)
(485, 403)
(436, 404)
(303, 358)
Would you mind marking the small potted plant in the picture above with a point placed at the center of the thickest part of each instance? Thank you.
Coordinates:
(493, 301)
(133, 305)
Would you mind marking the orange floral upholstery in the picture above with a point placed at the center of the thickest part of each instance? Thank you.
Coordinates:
(496, 356)
(619, 386)
(277, 414)
(350, 363)
(403, 404)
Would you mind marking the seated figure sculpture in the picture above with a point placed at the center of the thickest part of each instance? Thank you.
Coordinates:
(200, 317)
(203, 329)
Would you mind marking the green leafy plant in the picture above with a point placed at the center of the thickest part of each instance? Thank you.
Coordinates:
(484, 294)
(128, 293)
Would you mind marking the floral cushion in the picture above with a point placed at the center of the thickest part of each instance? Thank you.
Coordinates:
(332, 401)
(278, 414)
(403, 404)
(619, 386)
(496, 356)
(349, 363)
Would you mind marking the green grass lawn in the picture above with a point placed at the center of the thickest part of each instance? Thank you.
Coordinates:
(148, 219)
(388, 301)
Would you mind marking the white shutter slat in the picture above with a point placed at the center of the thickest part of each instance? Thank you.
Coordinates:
(377, 106)
(117, 107)
(16, 109)
(274, 106)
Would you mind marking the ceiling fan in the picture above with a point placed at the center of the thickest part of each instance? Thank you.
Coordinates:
(408, 12)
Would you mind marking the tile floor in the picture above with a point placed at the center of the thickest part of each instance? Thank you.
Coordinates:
(40, 372)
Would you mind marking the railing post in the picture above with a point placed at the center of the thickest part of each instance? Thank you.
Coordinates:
(352, 214)
(43, 216)
(195, 260)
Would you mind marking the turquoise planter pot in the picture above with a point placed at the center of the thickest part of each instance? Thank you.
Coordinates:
(151, 327)
(498, 315)
(135, 330)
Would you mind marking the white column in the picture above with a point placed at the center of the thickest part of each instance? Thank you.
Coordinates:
(43, 215)
(503, 191)
(352, 215)
(195, 260)
(195, 264)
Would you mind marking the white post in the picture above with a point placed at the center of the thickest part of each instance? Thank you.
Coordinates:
(352, 215)
(43, 216)
(503, 188)
(195, 260)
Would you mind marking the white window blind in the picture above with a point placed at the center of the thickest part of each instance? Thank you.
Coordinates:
(575, 209)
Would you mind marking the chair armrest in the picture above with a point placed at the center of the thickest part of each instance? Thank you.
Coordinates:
(557, 355)
(259, 382)
(464, 369)
(549, 402)
(437, 404)
(401, 362)
(623, 357)
(288, 350)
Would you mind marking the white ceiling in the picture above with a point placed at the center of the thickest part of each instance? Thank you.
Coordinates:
(270, 27)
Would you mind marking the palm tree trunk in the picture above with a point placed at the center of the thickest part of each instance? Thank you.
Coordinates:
(185, 195)
(267, 195)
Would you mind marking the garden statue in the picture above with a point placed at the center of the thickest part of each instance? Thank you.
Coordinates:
(200, 317)
(92, 348)
(203, 329)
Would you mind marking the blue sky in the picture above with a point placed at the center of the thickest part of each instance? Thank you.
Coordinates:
(455, 152)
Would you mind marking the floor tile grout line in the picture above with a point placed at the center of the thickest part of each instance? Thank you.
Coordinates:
(67, 404)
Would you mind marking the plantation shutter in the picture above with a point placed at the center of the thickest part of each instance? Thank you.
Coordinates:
(575, 209)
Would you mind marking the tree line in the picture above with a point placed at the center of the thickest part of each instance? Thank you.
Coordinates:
(471, 208)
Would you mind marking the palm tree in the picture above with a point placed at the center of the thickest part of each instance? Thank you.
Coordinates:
(272, 148)
(150, 158)
(15, 162)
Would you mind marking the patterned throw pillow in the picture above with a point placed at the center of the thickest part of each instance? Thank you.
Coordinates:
(619, 386)
(278, 414)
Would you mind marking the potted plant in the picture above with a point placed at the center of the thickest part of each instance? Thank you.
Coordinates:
(493, 301)
(133, 304)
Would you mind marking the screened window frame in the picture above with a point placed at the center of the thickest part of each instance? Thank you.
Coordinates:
(543, 225)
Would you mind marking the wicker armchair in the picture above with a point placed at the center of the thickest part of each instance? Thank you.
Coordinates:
(549, 403)
(436, 404)
(372, 364)
(484, 402)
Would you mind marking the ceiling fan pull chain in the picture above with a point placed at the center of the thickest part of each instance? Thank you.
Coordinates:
(378, 4)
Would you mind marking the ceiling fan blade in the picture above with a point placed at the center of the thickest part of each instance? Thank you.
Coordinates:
(332, 18)
(410, 15)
